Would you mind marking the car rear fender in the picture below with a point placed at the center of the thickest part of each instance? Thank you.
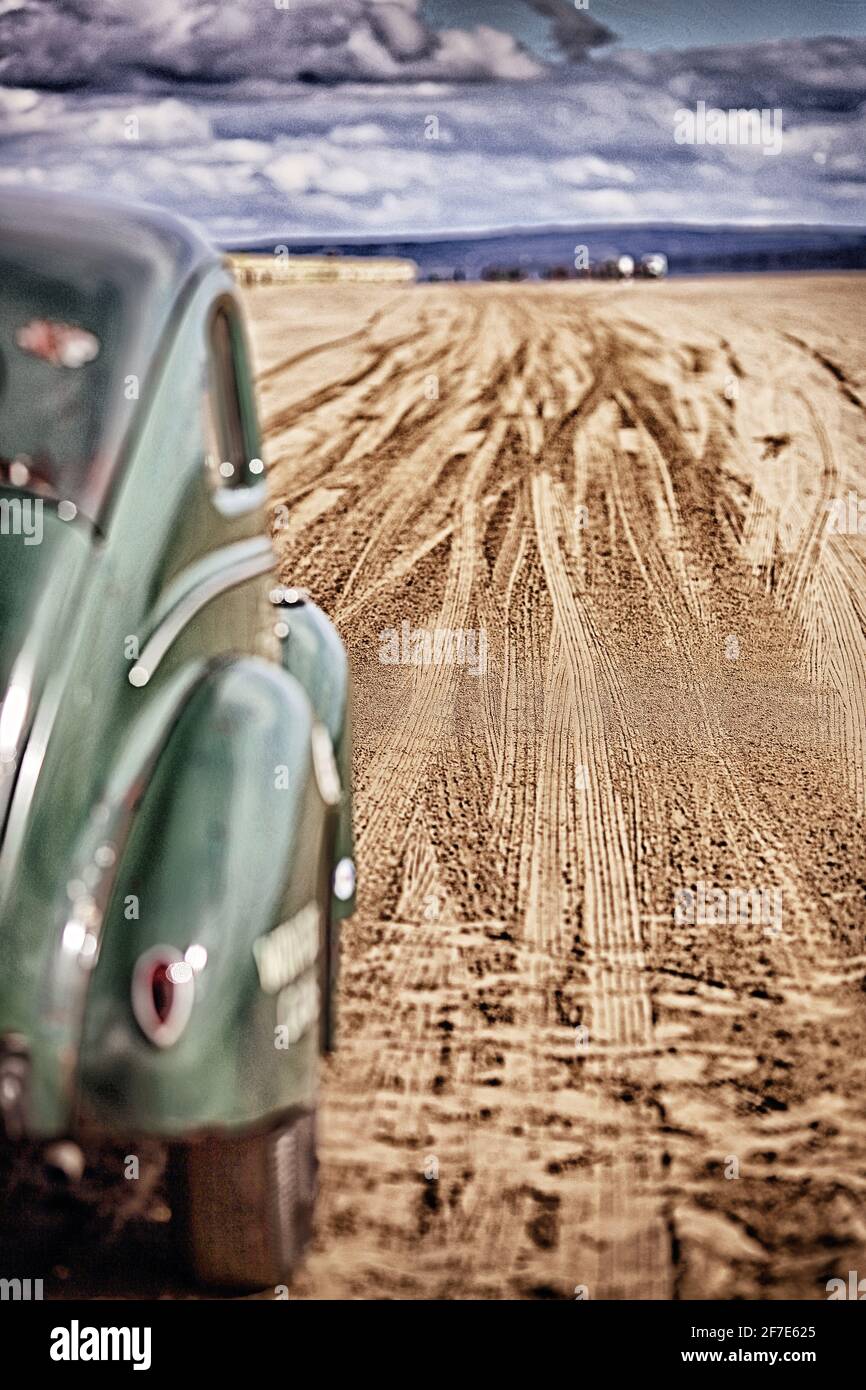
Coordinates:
(231, 842)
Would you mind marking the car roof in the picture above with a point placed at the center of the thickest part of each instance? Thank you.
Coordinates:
(132, 241)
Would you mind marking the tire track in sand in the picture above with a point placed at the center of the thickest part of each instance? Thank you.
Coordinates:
(501, 904)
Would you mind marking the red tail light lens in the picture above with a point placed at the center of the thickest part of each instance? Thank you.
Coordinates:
(163, 993)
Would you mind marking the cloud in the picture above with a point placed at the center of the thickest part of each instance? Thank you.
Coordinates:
(23, 111)
(605, 205)
(484, 53)
(196, 178)
(571, 143)
(169, 122)
(589, 168)
(819, 75)
(367, 134)
(295, 172)
(116, 44)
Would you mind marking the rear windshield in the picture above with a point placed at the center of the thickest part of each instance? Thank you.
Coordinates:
(60, 333)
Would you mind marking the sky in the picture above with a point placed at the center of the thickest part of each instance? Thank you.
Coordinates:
(652, 24)
(375, 118)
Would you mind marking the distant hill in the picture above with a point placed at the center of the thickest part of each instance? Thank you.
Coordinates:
(536, 253)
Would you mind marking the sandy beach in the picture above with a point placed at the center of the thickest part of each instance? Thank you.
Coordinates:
(603, 1018)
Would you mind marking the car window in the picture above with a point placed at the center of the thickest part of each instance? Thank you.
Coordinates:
(228, 459)
(59, 363)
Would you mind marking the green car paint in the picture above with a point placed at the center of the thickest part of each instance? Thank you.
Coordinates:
(164, 780)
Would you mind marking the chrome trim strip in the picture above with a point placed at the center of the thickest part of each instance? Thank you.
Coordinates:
(16, 714)
(243, 561)
(239, 501)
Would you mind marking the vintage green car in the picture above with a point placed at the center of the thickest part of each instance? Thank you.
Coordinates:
(175, 802)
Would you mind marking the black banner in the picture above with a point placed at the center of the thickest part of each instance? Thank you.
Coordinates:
(192, 1337)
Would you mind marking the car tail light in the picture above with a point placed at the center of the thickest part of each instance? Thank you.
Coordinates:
(163, 992)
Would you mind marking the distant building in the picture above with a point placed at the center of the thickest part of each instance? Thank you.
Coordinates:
(277, 269)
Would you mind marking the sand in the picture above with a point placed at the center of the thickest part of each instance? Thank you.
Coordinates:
(554, 1076)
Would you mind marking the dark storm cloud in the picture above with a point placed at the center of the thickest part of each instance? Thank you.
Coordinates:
(574, 31)
(111, 44)
(804, 76)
